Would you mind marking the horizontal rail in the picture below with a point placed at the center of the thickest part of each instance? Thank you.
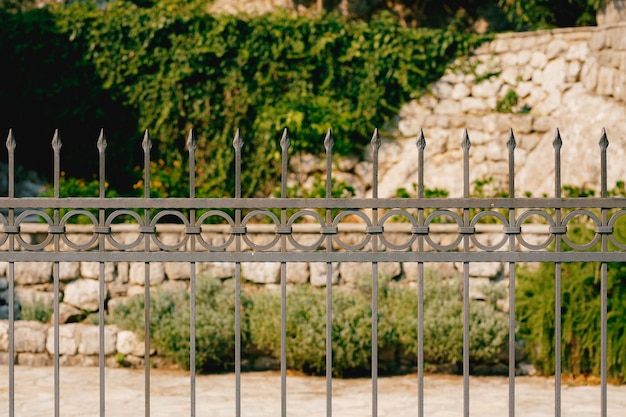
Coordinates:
(325, 203)
(316, 256)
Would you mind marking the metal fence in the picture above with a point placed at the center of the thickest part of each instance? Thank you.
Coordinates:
(511, 212)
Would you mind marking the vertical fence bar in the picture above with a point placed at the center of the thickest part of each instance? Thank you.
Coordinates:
(56, 146)
(375, 144)
(557, 230)
(10, 144)
(511, 231)
(237, 145)
(147, 145)
(101, 145)
(606, 230)
(421, 145)
(328, 144)
(191, 148)
(465, 145)
(284, 145)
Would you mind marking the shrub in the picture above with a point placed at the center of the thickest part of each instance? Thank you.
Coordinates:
(170, 321)
(443, 323)
(36, 309)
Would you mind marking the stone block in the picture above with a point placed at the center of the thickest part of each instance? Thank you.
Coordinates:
(297, 272)
(578, 51)
(67, 343)
(92, 270)
(473, 105)
(319, 273)
(88, 338)
(261, 272)
(128, 343)
(589, 75)
(218, 270)
(178, 270)
(606, 77)
(83, 294)
(30, 336)
(598, 40)
(69, 270)
(556, 48)
(538, 60)
(32, 272)
(137, 273)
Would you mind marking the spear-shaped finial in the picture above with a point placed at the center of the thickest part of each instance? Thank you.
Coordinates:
(557, 142)
(191, 141)
(102, 142)
(375, 141)
(511, 144)
(56, 140)
(328, 140)
(284, 140)
(238, 141)
(421, 141)
(604, 141)
(11, 140)
(146, 143)
(466, 144)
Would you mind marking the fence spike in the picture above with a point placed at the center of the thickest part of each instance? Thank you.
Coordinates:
(238, 141)
(604, 141)
(421, 141)
(146, 143)
(511, 144)
(10, 140)
(328, 140)
(375, 141)
(102, 141)
(466, 144)
(56, 140)
(191, 141)
(284, 140)
(557, 142)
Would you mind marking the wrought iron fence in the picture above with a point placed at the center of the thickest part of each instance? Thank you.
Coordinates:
(512, 213)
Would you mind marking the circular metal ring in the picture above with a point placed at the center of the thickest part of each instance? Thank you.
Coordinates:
(446, 213)
(38, 213)
(201, 238)
(573, 214)
(123, 212)
(397, 212)
(498, 216)
(614, 218)
(249, 241)
(367, 223)
(520, 237)
(155, 238)
(66, 239)
(295, 217)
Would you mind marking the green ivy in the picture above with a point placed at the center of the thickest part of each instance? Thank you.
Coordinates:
(182, 68)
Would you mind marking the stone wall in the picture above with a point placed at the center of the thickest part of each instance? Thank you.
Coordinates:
(571, 79)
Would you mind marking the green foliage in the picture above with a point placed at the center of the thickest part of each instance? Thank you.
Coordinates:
(443, 322)
(543, 14)
(36, 309)
(508, 103)
(172, 67)
(170, 324)
(580, 294)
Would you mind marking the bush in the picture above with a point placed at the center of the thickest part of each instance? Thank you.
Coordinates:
(36, 309)
(580, 309)
(443, 323)
(170, 321)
